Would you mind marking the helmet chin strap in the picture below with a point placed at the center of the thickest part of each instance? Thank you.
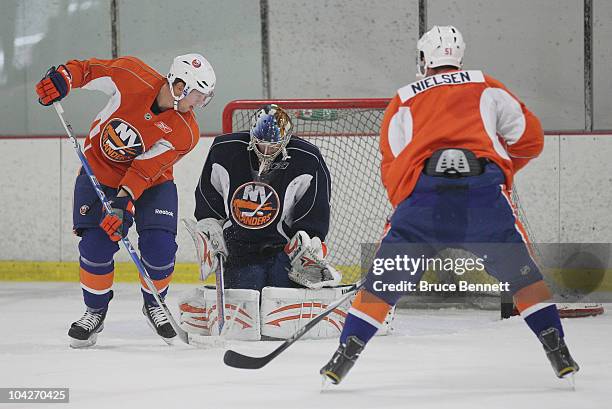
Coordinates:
(174, 97)
(421, 70)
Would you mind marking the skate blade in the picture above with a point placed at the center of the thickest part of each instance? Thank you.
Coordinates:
(168, 341)
(206, 341)
(84, 343)
(325, 383)
(571, 380)
(329, 378)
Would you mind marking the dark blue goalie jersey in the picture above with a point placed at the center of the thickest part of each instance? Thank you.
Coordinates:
(262, 213)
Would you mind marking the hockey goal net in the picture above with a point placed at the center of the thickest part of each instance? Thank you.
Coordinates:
(347, 133)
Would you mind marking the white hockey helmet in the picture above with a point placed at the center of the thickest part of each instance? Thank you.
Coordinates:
(197, 74)
(442, 45)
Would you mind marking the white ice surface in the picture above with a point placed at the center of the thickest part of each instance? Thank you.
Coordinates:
(436, 359)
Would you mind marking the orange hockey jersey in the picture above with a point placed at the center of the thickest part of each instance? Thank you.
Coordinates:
(128, 145)
(455, 109)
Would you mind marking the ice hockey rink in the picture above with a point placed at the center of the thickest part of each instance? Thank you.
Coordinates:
(334, 65)
(434, 359)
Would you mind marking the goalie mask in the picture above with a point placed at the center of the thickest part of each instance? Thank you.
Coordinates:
(197, 74)
(442, 45)
(270, 132)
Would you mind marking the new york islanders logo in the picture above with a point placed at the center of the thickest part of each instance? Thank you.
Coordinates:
(255, 205)
(120, 141)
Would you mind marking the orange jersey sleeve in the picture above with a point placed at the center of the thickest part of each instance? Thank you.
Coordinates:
(518, 127)
(123, 69)
(457, 109)
(128, 144)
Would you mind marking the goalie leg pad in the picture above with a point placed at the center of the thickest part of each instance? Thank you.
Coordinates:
(285, 310)
(199, 313)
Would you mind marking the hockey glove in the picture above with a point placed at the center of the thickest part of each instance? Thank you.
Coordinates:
(54, 86)
(207, 235)
(117, 223)
(308, 265)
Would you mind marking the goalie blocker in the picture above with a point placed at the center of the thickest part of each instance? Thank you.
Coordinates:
(281, 312)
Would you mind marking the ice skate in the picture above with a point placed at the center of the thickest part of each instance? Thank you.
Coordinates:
(156, 317)
(84, 332)
(562, 362)
(343, 360)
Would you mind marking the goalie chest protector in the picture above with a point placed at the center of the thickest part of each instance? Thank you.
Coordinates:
(263, 212)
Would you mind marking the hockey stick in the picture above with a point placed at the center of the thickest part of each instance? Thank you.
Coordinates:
(126, 242)
(251, 214)
(238, 360)
(220, 294)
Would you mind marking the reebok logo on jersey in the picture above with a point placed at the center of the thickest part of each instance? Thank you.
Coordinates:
(161, 125)
(120, 141)
(255, 205)
(164, 212)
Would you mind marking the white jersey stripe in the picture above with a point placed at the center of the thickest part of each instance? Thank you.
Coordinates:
(534, 308)
(96, 292)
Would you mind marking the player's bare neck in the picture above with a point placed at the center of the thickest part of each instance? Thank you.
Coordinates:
(164, 99)
(440, 70)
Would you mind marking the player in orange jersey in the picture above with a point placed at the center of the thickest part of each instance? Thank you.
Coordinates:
(146, 127)
(451, 143)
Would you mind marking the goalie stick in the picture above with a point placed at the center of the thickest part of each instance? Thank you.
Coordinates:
(238, 360)
(126, 242)
(220, 288)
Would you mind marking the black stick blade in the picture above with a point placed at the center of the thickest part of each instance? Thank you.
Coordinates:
(237, 360)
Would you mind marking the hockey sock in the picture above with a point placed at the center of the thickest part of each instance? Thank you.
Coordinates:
(542, 316)
(157, 250)
(538, 314)
(365, 317)
(96, 283)
(358, 327)
(97, 268)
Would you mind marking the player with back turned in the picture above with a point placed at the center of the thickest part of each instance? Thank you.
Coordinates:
(147, 126)
(451, 143)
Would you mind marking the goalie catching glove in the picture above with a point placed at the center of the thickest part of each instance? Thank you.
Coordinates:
(308, 265)
(207, 235)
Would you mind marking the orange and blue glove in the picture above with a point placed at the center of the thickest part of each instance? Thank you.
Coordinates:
(54, 86)
(117, 223)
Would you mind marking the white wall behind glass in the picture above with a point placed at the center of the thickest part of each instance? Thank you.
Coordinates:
(35, 35)
(602, 64)
(227, 33)
(341, 49)
(534, 47)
